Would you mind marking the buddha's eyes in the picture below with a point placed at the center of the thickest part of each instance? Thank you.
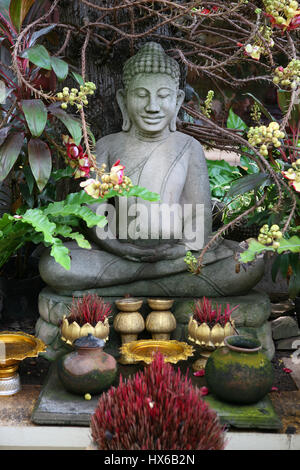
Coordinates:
(141, 93)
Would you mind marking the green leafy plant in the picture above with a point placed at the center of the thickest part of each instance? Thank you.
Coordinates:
(57, 221)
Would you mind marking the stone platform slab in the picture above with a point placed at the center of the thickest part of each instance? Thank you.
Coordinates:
(56, 406)
(251, 318)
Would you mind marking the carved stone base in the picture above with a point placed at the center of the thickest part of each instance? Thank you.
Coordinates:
(250, 318)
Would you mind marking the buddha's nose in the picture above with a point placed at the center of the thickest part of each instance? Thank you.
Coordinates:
(152, 105)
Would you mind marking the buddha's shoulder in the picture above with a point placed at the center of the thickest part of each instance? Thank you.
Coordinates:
(110, 140)
(185, 139)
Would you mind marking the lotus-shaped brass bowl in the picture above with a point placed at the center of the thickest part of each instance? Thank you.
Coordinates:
(144, 350)
(160, 304)
(71, 331)
(208, 338)
(129, 304)
(15, 346)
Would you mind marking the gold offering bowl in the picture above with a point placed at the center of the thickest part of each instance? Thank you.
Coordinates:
(14, 347)
(144, 350)
(160, 304)
(129, 305)
(208, 339)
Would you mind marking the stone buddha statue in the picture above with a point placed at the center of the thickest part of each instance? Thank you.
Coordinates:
(148, 257)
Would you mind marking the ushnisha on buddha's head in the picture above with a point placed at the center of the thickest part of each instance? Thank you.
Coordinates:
(151, 97)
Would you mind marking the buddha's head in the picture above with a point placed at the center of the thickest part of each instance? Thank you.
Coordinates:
(151, 98)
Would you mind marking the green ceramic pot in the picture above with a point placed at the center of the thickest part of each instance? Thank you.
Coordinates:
(88, 369)
(239, 372)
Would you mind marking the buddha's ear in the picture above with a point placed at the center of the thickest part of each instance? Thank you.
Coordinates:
(121, 100)
(180, 99)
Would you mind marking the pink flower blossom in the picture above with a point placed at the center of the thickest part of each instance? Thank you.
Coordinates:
(204, 391)
(74, 151)
(199, 373)
(116, 173)
(287, 370)
(274, 389)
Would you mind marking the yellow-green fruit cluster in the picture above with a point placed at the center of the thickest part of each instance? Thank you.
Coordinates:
(264, 136)
(75, 96)
(270, 236)
(206, 109)
(107, 184)
(190, 260)
(281, 10)
(288, 76)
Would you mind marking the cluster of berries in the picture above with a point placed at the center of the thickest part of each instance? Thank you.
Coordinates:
(288, 76)
(283, 13)
(114, 180)
(258, 47)
(265, 136)
(270, 236)
(206, 108)
(75, 96)
(191, 261)
(293, 175)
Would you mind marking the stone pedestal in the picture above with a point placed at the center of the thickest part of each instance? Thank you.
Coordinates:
(250, 318)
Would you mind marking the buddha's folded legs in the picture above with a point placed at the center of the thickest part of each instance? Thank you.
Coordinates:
(107, 274)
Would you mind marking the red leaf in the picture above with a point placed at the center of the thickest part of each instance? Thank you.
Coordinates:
(40, 161)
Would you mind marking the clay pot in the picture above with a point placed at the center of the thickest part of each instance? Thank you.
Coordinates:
(88, 369)
(239, 372)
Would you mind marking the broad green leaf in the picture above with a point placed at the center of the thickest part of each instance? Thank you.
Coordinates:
(254, 248)
(294, 283)
(66, 232)
(4, 9)
(281, 263)
(4, 133)
(63, 173)
(61, 255)
(59, 67)
(38, 55)
(18, 10)
(247, 183)
(41, 223)
(73, 125)
(284, 98)
(29, 178)
(37, 34)
(262, 107)
(36, 116)
(292, 244)
(40, 161)
(62, 210)
(9, 152)
(235, 122)
(78, 78)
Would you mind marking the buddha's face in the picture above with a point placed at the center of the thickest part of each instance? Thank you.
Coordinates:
(152, 102)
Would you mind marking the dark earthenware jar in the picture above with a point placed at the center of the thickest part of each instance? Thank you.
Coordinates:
(88, 369)
(239, 372)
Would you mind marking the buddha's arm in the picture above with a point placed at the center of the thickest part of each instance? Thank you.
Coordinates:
(198, 216)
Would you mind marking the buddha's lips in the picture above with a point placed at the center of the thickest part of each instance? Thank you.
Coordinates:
(152, 119)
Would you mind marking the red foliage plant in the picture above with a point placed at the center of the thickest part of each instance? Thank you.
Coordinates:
(89, 309)
(157, 409)
(203, 312)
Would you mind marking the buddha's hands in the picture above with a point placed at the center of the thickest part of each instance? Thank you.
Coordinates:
(165, 252)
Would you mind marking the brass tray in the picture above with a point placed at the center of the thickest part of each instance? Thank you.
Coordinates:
(144, 350)
(14, 347)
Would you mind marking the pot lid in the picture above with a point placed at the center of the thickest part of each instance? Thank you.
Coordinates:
(89, 341)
